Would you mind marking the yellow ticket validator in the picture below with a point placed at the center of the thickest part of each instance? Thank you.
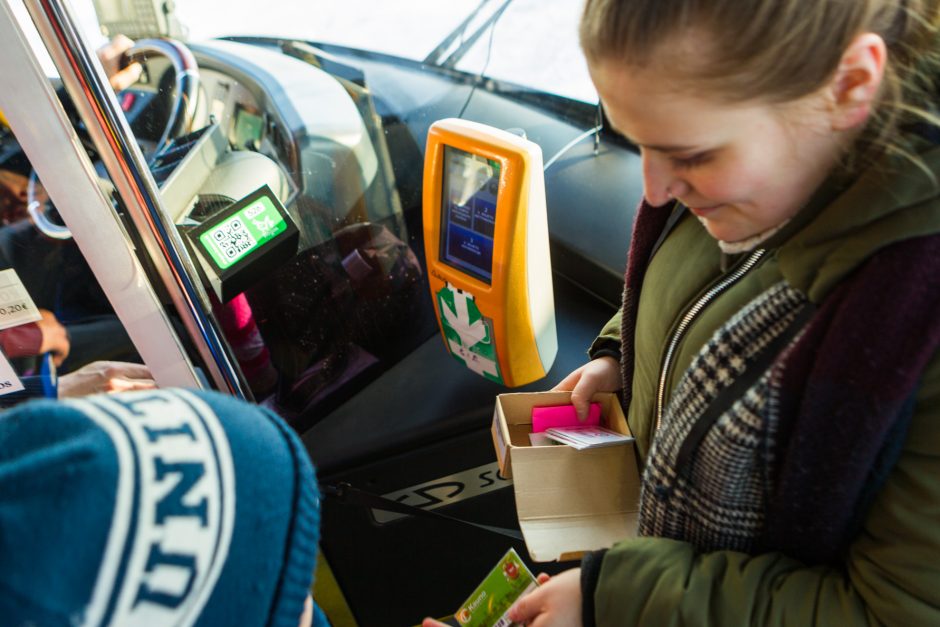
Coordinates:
(486, 244)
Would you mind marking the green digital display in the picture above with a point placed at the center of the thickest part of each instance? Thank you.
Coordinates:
(248, 127)
(243, 232)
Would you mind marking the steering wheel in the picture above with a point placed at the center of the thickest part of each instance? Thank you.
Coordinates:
(182, 112)
(186, 77)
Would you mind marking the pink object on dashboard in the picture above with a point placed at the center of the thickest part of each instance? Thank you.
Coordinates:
(563, 416)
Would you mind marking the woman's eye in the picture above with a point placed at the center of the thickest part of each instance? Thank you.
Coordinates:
(692, 161)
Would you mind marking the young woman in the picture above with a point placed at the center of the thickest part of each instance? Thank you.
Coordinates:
(777, 348)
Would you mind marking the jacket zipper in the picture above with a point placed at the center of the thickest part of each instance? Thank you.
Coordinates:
(687, 320)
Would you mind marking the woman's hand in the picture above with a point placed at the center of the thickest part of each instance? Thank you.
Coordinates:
(541, 579)
(55, 339)
(556, 603)
(598, 375)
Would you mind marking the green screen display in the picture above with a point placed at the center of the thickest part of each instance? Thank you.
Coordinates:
(242, 233)
(248, 128)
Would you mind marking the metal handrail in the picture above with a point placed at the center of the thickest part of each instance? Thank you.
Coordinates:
(98, 107)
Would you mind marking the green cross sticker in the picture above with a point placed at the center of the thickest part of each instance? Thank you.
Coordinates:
(469, 334)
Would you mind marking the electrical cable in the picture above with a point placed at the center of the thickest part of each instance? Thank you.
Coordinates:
(486, 63)
(570, 145)
(596, 131)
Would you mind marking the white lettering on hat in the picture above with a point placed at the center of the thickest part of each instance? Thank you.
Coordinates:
(174, 508)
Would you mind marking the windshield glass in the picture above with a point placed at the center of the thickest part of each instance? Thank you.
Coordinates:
(406, 28)
(532, 43)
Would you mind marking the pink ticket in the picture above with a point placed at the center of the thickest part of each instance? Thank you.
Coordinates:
(563, 416)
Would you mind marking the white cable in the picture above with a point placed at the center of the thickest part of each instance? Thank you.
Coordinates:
(570, 145)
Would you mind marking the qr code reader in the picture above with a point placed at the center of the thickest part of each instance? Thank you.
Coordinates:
(233, 238)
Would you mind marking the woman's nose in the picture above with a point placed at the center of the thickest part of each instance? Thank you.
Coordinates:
(660, 185)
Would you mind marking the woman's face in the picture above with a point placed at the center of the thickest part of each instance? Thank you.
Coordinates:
(741, 168)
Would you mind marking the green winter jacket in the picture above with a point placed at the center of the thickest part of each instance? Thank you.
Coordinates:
(892, 574)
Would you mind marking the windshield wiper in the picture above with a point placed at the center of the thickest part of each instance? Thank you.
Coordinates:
(440, 57)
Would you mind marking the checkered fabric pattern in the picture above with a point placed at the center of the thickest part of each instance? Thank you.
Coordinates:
(720, 501)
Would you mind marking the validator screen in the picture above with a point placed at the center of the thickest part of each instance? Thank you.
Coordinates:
(468, 223)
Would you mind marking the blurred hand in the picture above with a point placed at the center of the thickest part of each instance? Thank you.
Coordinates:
(106, 376)
(55, 339)
(557, 602)
(598, 375)
(111, 55)
(14, 195)
(15, 184)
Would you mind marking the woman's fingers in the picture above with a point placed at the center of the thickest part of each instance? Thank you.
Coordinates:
(568, 383)
(598, 375)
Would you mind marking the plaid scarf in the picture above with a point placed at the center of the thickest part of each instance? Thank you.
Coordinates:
(795, 461)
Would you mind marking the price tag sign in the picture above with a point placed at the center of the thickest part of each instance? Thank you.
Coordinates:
(9, 382)
(16, 307)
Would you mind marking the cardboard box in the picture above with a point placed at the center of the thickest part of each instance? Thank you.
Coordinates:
(568, 501)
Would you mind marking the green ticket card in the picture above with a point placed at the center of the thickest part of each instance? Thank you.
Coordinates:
(488, 604)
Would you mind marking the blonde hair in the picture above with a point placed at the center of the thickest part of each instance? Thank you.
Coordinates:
(776, 50)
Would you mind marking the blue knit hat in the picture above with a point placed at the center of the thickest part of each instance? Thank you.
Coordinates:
(166, 507)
